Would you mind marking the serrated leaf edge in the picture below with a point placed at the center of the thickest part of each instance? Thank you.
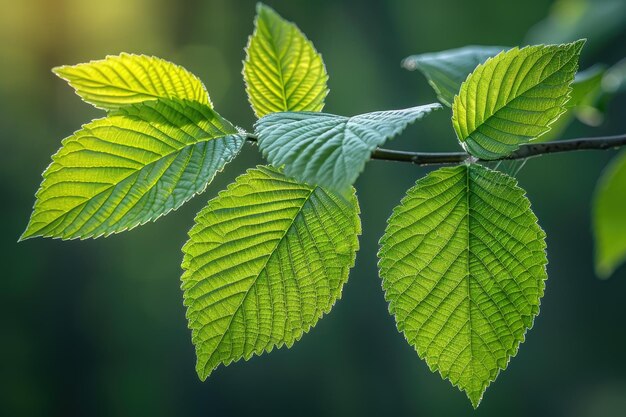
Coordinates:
(563, 106)
(58, 71)
(204, 375)
(511, 354)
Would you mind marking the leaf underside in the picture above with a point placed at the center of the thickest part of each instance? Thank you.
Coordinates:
(609, 221)
(463, 268)
(125, 79)
(282, 69)
(131, 167)
(330, 150)
(446, 70)
(513, 98)
(264, 261)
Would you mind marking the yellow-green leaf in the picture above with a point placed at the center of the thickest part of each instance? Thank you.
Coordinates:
(264, 261)
(118, 81)
(463, 267)
(513, 98)
(586, 90)
(131, 167)
(282, 70)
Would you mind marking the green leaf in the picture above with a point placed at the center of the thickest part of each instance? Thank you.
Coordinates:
(282, 70)
(463, 268)
(330, 150)
(446, 70)
(513, 98)
(586, 88)
(131, 167)
(609, 219)
(125, 79)
(264, 261)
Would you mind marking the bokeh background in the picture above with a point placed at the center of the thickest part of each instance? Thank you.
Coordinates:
(97, 327)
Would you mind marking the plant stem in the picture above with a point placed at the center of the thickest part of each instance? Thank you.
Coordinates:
(524, 151)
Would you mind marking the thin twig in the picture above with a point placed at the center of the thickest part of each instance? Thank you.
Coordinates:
(525, 151)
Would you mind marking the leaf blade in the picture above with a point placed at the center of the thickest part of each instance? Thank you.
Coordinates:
(278, 261)
(447, 70)
(586, 89)
(126, 79)
(497, 110)
(463, 261)
(282, 69)
(130, 168)
(329, 150)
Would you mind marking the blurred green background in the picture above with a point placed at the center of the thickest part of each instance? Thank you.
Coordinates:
(97, 328)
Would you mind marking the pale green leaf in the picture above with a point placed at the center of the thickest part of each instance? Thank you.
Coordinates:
(330, 150)
(131, 167)
(446, 70)
(513, 98)
(282, 70)
(587, 84)
(615, 78)
(264, 261)
(118, 81)
(463, 268)
(609, 217)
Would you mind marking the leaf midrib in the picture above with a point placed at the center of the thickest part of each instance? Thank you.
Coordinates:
(469, 293)
(254, 281)
(279, 62)
(135, 172)
(110, 84)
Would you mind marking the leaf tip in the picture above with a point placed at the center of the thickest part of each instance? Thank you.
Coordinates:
(435, 106)
(577, 46)
(29, 233)
(603, 269)
(262, 8)
(410, 63)
(475, 398)
(202, 373)
(25, 236)
(475, 393)
(60, 71)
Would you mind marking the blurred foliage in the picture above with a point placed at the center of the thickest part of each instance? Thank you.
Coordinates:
(98, 328)
(568, 20)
